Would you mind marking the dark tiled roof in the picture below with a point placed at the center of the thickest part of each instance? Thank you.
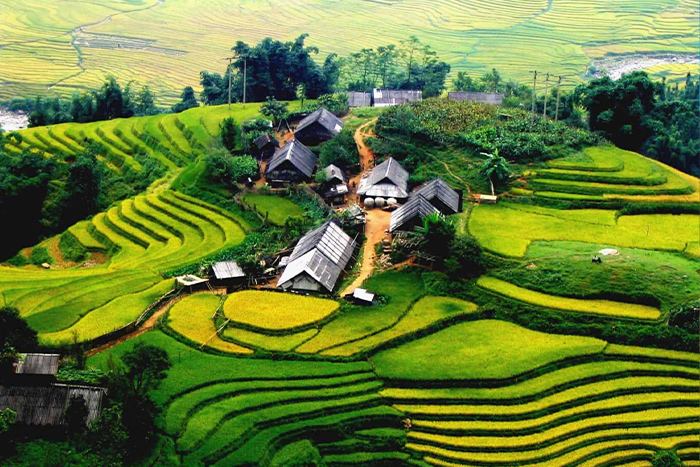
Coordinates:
(227, 270)
(325, 118)
(416, 207)
(333, 171)
(264, 139)
(484, 97)
(388, 179)
(297, 154)
(46, 405)
(322, 253)
(37, 364)
(439, 189)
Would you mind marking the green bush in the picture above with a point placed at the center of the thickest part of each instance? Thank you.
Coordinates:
(70, 248)
(40, 255)
(18, 260)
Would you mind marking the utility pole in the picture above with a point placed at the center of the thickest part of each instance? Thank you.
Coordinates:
(245, 76)
(230, 72)
(546, 90)
(534, 96)
(556, 112)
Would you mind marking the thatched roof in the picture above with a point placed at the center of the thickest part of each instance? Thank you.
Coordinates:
(416, 208)
(323, 117)
(322, 253)
(297, 154)
(46, 405)
(438, 189)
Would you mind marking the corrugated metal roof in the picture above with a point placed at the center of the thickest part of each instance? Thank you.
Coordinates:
(396, 96)
(227, 270)
(363, 294)
(299, 155)
(264, 139)
(439, 189)
(359, 99)
(37, 364)
(417, 206)
(333, 171)
(387, 179)
(325, 118)
(494, 98)
(46, 405)
(322, 253)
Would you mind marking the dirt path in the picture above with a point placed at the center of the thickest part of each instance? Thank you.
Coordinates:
(377, 221)
(149, 324)
(366, 155)
(466, 185)
(375, 229)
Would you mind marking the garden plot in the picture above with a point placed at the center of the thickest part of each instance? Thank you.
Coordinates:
(274, 208)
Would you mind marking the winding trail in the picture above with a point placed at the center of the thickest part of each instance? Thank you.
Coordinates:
(377, 220)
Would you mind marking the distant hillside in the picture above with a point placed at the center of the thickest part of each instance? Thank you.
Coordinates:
(166, 44)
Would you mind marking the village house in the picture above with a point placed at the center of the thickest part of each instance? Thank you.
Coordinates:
(359, 99)
(292, 163)
(32, 392)
(389, 97)
(441, 195)
(228, 274)
(493, 98)
(411, 214)
(317, 127)
(265, 146)
(318, 259)
(334, 187)
(386, 183)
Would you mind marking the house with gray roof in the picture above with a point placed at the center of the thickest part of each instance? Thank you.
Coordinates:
(411, 214)
(359, 99)
(389, 97)
(318, 259)
(291, 163)
(441, 195)
(387, 180)
(265, 145)
(318, 127)
(494, 98)
(46, 405)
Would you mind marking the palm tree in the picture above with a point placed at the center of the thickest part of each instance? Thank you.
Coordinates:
(496, 168)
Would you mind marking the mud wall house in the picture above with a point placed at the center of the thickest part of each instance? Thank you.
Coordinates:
(411, 214)
(441, 195)
(318, 259)
(265, 146)
(319, 126)
(359, 99)
(493, 98)
(292, 163)
(387, 180)
(389, 97)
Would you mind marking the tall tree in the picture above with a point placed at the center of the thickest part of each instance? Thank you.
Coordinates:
(495, 168)
(189, 100)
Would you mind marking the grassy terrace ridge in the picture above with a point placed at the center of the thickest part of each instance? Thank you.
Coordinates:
(601, 307)
(609, 173)
(148, 235)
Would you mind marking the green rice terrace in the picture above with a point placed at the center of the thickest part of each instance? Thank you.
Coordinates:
(536, 356)
(59, 46)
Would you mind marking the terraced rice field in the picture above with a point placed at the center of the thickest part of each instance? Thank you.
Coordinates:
(145, 236)
(274, 208)
(166, 44)
(508, 229)
(174, 140)
(591, 406)
(231, 411)
(608, 173)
